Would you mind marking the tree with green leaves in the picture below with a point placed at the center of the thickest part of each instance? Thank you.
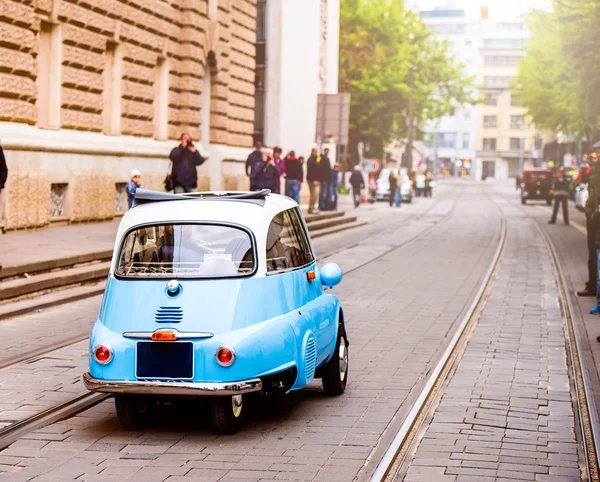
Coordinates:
(559, 78)
(380, 42)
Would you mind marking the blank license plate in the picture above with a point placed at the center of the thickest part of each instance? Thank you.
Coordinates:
(165, 359)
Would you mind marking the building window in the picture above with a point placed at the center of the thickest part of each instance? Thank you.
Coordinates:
(445, 139)
(49, 75)
(517, 122)
(490, 121)
(260, 72)
(161, 99)
(502, 60)
(515, 144)
(466, 140)
(497, 81)
(58, 194)
(287, 243)
(514, 102)
(120, 197)
(491, 99)
(489, 144)
(112, 89)
(261, 26)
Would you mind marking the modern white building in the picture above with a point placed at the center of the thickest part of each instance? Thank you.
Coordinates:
(297, 59)
(450, 141)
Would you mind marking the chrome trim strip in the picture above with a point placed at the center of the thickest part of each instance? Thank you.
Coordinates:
(172, 388)
(187, 335)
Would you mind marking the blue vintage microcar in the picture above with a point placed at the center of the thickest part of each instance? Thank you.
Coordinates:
(215, 295)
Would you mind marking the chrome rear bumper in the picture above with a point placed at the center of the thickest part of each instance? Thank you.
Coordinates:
(190, 389)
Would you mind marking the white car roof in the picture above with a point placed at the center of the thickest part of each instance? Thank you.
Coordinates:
(256, 215)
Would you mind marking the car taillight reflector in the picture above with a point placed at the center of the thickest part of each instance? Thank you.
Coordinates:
(225, 356)
(164, 336)
(103, 354)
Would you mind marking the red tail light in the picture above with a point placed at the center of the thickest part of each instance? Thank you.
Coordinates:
(225, 356)
(103, 354)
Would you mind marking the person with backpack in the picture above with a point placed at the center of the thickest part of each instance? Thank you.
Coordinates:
(357, 181)
(186, 158)
(294, 176)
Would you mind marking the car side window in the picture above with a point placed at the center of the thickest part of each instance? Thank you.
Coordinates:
(287, 243)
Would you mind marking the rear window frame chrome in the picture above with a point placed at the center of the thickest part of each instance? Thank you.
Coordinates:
(248, 231)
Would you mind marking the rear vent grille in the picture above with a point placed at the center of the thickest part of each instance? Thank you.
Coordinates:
(311, 358)
(169, 314)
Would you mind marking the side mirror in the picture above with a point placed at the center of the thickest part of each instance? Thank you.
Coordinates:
(331, 275)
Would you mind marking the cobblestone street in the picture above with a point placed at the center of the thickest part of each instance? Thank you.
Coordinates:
(506, 411)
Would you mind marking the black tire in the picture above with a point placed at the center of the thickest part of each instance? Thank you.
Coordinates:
(134, 413)
(226, 416)
(334, 375)
(523, 200)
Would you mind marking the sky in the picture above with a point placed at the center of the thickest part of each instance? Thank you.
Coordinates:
(498, 9)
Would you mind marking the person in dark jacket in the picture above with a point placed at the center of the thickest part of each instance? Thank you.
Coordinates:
(590, 208)
(3, 177)
(313, 178)
(357, 181)
(325, 178)
(333, 190)
(594, 222)
(268, 175)
(561, 187)
(254, 158)
(186, 159)
(294, 176)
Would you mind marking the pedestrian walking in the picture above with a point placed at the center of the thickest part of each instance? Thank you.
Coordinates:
(186, 159)
(280, 163)
(254, 158)
(429, 185)
(325, 178)
(560, 186)
(395, 191)
(420, 184)
(591, 206)
(357, 181)
(333, 196)
(583, 176)
(294, 176)
(268, 176)
(313, 178)
(135, 182)
(3, 177)
(595, 223)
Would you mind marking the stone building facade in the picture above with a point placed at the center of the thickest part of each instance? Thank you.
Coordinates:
(90, 90)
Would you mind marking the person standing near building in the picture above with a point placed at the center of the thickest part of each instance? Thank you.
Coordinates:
(268, 176)
(420, 184)
(3, 177)
(428, 185)
(325, 178)
(333, 195)
(186, 159)
(560, 186)
(280, 163)
(312, 177)
(583, 176)
(294, 176)
(357, 181)
(135, 182)
(254, 158)
(591, 206)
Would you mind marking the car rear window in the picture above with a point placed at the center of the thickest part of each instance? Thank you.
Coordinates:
(186, 251)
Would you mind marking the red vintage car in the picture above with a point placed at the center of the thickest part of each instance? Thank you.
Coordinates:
(536, 184)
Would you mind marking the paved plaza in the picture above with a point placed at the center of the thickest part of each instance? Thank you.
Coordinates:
(506, 412)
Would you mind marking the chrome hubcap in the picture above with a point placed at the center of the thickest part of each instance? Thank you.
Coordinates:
(343, 356)
(236, 405)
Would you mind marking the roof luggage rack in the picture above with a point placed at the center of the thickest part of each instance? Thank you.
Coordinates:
(144, 196)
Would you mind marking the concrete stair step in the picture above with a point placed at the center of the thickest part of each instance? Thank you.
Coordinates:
(311, 218)
(329, 223)
(52, 280)
(54, 264)
(338, 229)
(54, 298)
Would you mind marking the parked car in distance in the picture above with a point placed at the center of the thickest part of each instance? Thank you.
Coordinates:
(536, 185)
(383, 186)
(216, 296)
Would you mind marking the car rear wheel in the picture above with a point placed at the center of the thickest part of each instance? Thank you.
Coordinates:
(335, 371)
(134, 413)
(227, 413)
